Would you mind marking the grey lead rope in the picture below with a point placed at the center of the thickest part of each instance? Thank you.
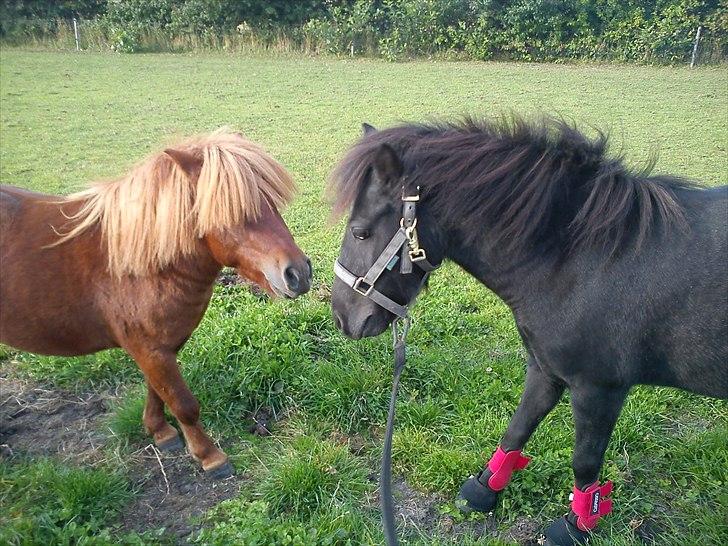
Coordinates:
(405, 238)
(385, 478)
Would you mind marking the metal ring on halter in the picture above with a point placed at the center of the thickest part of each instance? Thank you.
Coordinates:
(410, 198)
(418, 255)
(357, 287)
(401, 224)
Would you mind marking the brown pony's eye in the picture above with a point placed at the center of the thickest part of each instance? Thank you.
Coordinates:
(360, 233)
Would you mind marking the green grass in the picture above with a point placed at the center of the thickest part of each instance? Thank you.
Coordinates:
(314, 476)
(67, 119)
(44, 502)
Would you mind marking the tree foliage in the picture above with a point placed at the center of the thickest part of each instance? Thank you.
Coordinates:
(530, 30)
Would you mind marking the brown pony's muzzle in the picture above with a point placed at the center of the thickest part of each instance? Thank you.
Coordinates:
(297, 277)
(264, 253)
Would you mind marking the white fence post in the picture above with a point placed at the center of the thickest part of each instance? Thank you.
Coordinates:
(695, 47)
(76, 34)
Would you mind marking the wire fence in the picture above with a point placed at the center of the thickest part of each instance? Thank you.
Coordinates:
(97, 35)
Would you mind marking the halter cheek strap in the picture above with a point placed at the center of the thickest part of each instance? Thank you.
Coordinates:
(404, 239)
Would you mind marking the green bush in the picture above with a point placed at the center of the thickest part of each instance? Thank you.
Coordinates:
(652, 31)
(199, 16)
(22, 16)
(345, 28)
(420, 27)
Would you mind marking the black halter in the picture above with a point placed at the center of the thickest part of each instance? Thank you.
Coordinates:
(405, 239)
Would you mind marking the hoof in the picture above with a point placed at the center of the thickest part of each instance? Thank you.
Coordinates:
(171, 445)
(564, 533)
(477, 497)
(221, 472)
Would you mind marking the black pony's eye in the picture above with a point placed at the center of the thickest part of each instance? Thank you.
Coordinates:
(360, 233)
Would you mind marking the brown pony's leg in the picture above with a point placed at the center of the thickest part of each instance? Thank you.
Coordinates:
(165, 435)
(162, 374)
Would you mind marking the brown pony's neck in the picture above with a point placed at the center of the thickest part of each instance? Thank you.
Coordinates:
(197, 269)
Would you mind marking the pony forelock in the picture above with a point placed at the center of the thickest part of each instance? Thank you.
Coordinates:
(154, 214)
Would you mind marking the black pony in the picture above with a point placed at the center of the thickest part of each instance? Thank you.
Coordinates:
(614, 278)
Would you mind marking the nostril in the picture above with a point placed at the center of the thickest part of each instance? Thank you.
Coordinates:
(291, 277)
(310, 268)
(337, 321)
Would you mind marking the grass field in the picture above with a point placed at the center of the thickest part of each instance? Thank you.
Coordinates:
(67, 119)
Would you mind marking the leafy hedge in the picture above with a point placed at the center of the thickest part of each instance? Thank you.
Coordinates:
(653, 31)
(528, 30)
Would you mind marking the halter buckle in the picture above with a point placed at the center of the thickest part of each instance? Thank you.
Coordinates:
(410, 198)
(417, 255)
(363, 291)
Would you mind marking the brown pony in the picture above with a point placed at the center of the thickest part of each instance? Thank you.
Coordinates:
(131, 263)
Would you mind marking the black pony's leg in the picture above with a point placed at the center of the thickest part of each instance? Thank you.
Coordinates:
(596, 410)
(539, 397)
(595, 413)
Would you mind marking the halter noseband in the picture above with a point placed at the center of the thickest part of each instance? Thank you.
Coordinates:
(404, 239)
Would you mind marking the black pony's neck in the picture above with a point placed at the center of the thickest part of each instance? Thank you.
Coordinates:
(503, 273)
(497, 267)
(534, 188)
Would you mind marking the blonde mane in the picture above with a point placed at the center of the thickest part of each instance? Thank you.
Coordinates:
(156, 213)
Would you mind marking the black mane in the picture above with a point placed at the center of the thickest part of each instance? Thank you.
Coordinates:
(528, 183)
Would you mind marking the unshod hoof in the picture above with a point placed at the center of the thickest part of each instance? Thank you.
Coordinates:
(173, 444)
(221, 472)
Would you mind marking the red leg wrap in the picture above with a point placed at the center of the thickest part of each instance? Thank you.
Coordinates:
(591, 504)
(502, 464)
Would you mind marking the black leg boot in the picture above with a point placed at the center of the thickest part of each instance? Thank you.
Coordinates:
(564, 532)
(476, 493)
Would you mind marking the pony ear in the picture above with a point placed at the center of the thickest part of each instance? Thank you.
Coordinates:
(368, 129)
(387, 164)
(186, 161)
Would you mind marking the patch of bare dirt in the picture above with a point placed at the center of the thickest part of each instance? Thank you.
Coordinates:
(37, 421)
(356, 443)
(418, 514)
(525, 531)
(172, 492)
(647, 530)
